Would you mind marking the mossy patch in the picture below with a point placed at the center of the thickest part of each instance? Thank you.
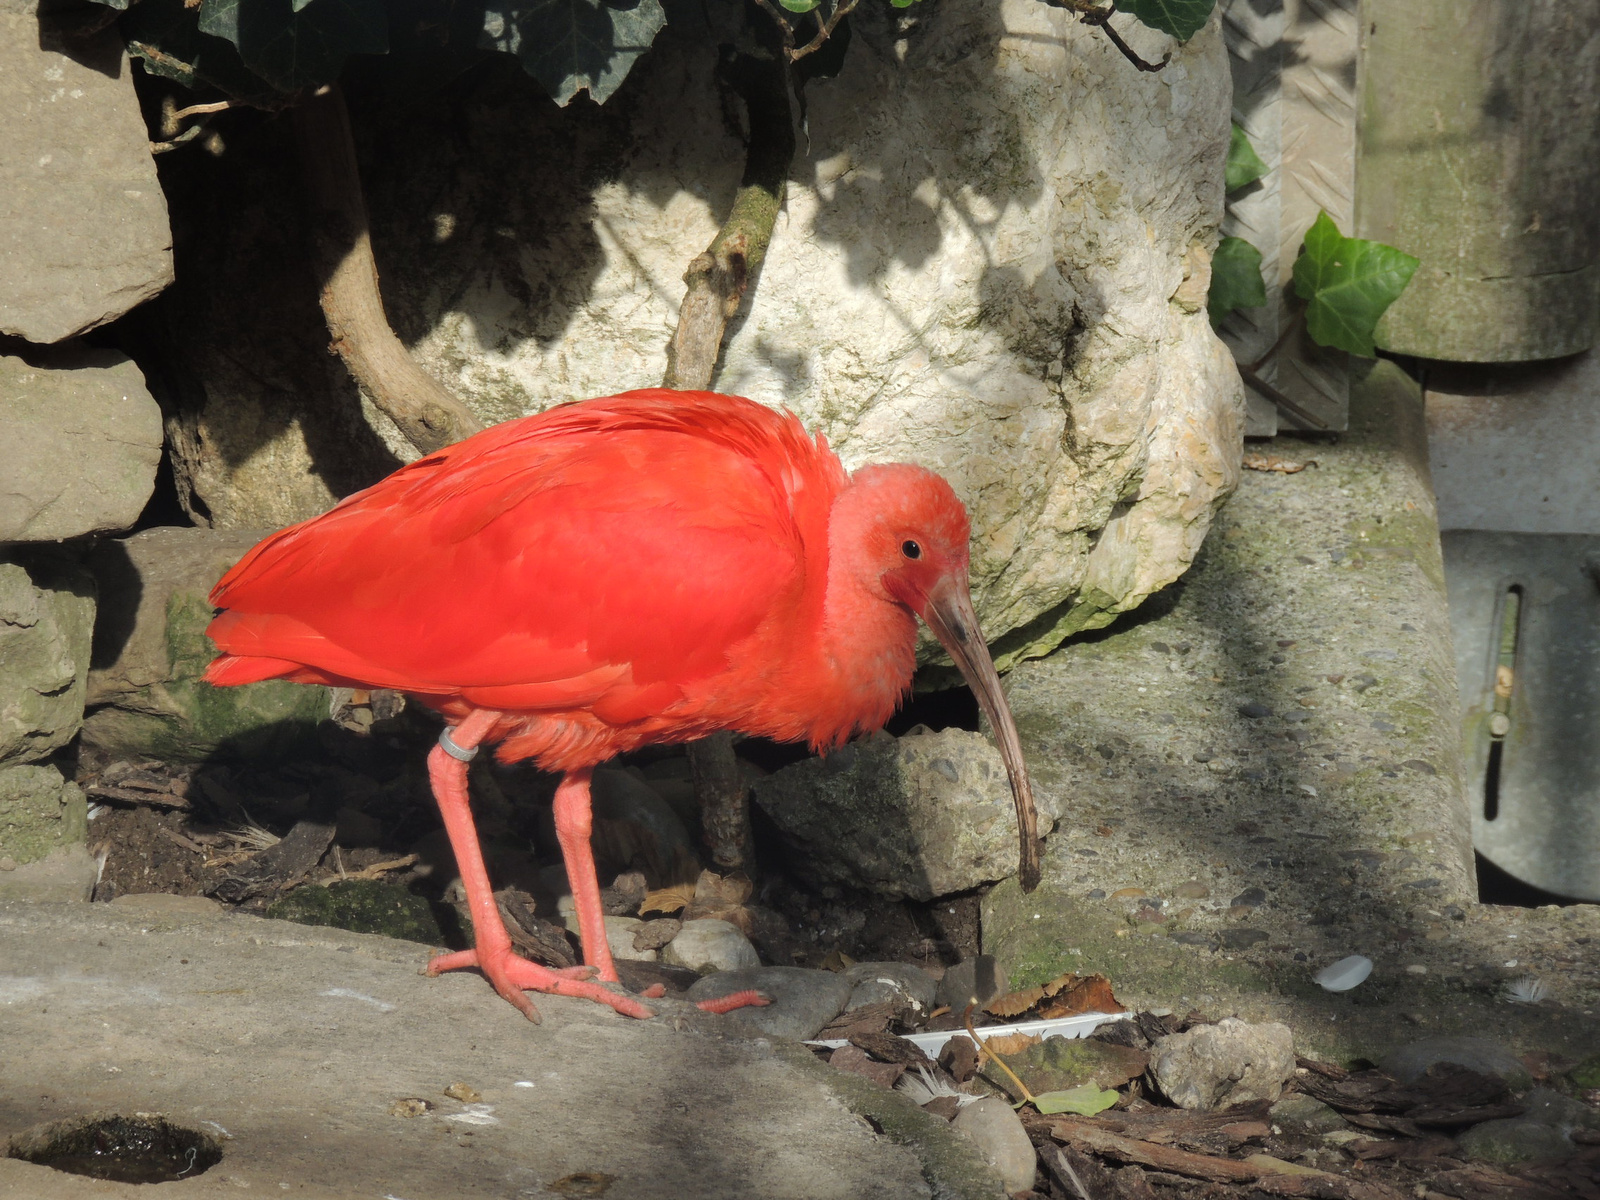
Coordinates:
(361, 906)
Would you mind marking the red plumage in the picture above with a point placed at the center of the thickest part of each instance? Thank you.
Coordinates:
(648, 567)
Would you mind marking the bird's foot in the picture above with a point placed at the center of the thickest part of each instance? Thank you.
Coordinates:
(514, 977)
(733, 1000)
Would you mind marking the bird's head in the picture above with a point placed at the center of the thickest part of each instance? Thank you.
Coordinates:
(908, 538)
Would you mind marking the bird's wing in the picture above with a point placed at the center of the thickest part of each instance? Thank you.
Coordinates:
(597, 556)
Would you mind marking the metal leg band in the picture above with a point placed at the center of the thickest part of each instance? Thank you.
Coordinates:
(459, 753)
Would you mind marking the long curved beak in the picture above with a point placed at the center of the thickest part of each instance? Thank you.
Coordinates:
(950, 615)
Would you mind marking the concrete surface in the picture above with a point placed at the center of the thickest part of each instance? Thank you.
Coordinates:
(1514, 447)
(297, 1041)
(1262, 774)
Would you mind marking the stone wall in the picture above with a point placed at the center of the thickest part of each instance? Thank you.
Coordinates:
(83, 239)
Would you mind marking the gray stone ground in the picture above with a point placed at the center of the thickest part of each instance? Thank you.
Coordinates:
(298, 1040)
(1263, 775)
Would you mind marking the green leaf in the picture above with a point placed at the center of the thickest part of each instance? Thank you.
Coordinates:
(1085, 1100)
(1347, 284)
(165, 36)
(568, 45)
(1181, 18)
(293, 50)
(800, 6)
(297, 5)
(1244, 164)
(1235, 279)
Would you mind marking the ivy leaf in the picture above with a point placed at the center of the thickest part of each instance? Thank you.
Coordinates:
(1235, 279)
(1244, 164)
(165, 37)
(1085, 1100)
(1347, 284)
(296, 49)
(799, 6)
(1181, 18)
(568, 45)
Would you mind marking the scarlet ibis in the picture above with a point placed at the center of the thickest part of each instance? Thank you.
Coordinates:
(645, 568)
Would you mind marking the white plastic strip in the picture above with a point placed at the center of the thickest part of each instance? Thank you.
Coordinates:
(931, 1043)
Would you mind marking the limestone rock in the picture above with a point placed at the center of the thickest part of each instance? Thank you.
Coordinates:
(995, 1129)
(145, 695)
(83, 438)
(707, 945)
(619, 936)
(891, 982)
(985, 264)
(803, 1000)
(1217, 1066)
(46, 626)
(83, 231)
(914, 817)
(39, 812)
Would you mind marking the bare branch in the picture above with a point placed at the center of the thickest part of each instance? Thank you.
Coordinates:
(427, 414)
(840, 12)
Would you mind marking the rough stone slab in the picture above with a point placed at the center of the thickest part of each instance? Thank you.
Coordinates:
(83, 438)
(83, 231)
(1303, 819)
(40, 811)
(918, 816)
(46, 628)
(145, 694)
(298, 1040)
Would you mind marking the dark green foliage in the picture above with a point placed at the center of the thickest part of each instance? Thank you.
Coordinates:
(1347, 284)
(294, 47)
(1244, 164)
(1235, 279)
(1181, 18)
(570, 45)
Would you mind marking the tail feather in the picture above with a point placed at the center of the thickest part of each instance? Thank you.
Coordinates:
(230, 670)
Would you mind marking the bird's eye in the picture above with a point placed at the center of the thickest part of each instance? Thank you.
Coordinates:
(910, 549)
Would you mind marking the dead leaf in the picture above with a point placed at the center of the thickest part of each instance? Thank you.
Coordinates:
(720, 899)
(1011, 1043)
(1014, 1004)
(463, 1092)
(1065, 996)
(1271, 462)
(1091, 993)
(669, 899)
(837, 960)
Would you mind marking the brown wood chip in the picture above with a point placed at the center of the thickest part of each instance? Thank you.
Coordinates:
(891, 1048)
(156, 799)
(1083, 1135)
(277, 867)
(869, 1018)
(855, 1060)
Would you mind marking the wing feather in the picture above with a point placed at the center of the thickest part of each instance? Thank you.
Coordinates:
(599, 555)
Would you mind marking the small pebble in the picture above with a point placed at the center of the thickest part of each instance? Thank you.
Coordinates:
(463, 1092)
(410, 1106)
(1344, 974)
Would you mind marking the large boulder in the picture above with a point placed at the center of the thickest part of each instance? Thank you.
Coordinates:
(145, 694)
(82, 442)
(46, 626)
(993, 260)
(914, 817)
(83, 230)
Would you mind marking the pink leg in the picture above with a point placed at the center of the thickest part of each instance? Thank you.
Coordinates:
(491, 952)
(574, 823)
